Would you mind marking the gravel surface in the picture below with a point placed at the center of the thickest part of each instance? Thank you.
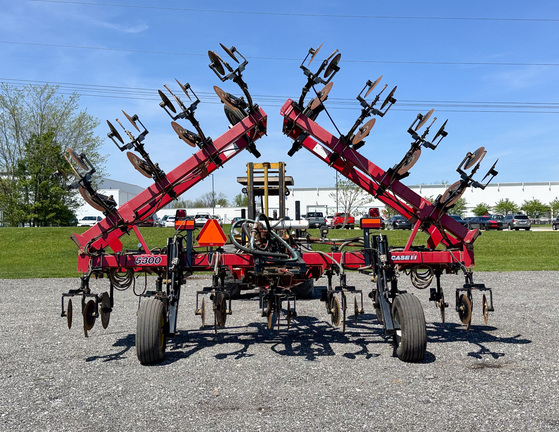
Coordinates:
(496, 377)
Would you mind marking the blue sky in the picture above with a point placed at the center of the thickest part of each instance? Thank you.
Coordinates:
(490, 68)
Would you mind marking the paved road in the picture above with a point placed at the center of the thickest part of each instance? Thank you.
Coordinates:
(497, 377)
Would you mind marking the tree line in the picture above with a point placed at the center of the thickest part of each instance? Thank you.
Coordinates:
(37, 124)
(534, 208)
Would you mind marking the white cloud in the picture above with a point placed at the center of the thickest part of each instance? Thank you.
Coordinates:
(519, 77)
(123, 28)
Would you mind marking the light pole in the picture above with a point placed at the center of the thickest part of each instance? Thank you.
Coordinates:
(337, 192)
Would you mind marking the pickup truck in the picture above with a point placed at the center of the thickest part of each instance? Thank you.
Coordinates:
(341, 218)
(315, 219)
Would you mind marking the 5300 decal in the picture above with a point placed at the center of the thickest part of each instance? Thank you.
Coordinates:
(147, 260)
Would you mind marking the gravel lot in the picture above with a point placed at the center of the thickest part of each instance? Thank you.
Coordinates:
(497, 377)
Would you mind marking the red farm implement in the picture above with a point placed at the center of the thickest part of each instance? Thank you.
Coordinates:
(269, 258)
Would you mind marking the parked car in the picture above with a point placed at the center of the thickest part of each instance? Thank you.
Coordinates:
(217, 218)
(484, 223)
(398, 222)
(516, 222)
(89, 220)
(150, 221)
(555, 224)
(201, 218)
(170, 222)
(340, 218)
(329, 220)
(459, 219)
(316, 219)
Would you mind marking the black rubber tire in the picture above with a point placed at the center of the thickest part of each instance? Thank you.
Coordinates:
(234, 115)
(411, 342)
(150, 332)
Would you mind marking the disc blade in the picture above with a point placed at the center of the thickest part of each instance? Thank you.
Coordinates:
(105, 309)
(69, 313)
(229, 52)
(477, 156)
(332, 65)
(389, 97)
(131, 120)
(335, 311)
(440, 131)
(77, 158)
(315, 53)
(373, 85)
(452, 194)
(141, 166)
(363, 132)
(89, 315)
(424, 120)
(114, 132)
(183, 88)
(322, 95)
(485, 309)
(166, 102)
(88, 198)
(183, 134)
(410, 162)
(216, 62)
(465, 310)
(225, 97)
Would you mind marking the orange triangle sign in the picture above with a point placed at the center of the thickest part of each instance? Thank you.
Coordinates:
(211, 234)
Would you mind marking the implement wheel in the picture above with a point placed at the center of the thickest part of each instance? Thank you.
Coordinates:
(411, 338)
(150, 332)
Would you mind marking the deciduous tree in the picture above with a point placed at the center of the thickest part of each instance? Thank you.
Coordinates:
(35, 119)
(37, 110)
(241, 200)
(505, 206)
(534, 208)
(481, 209)
(349, 197)
(40, 198)
(554, 206)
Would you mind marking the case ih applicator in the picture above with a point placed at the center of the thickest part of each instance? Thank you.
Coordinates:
(269, 259)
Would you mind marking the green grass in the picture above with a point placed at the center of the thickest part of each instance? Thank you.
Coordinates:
(49, 252)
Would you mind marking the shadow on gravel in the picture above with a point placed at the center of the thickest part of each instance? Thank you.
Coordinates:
(126, 342)
(311, 338)
(307, 337)
(478, 336)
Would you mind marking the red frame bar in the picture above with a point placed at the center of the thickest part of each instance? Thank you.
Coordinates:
(107, 232)
(374, 180)
(239, 264)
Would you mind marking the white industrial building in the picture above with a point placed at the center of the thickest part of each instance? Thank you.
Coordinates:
(121, 192)
(324, 198)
